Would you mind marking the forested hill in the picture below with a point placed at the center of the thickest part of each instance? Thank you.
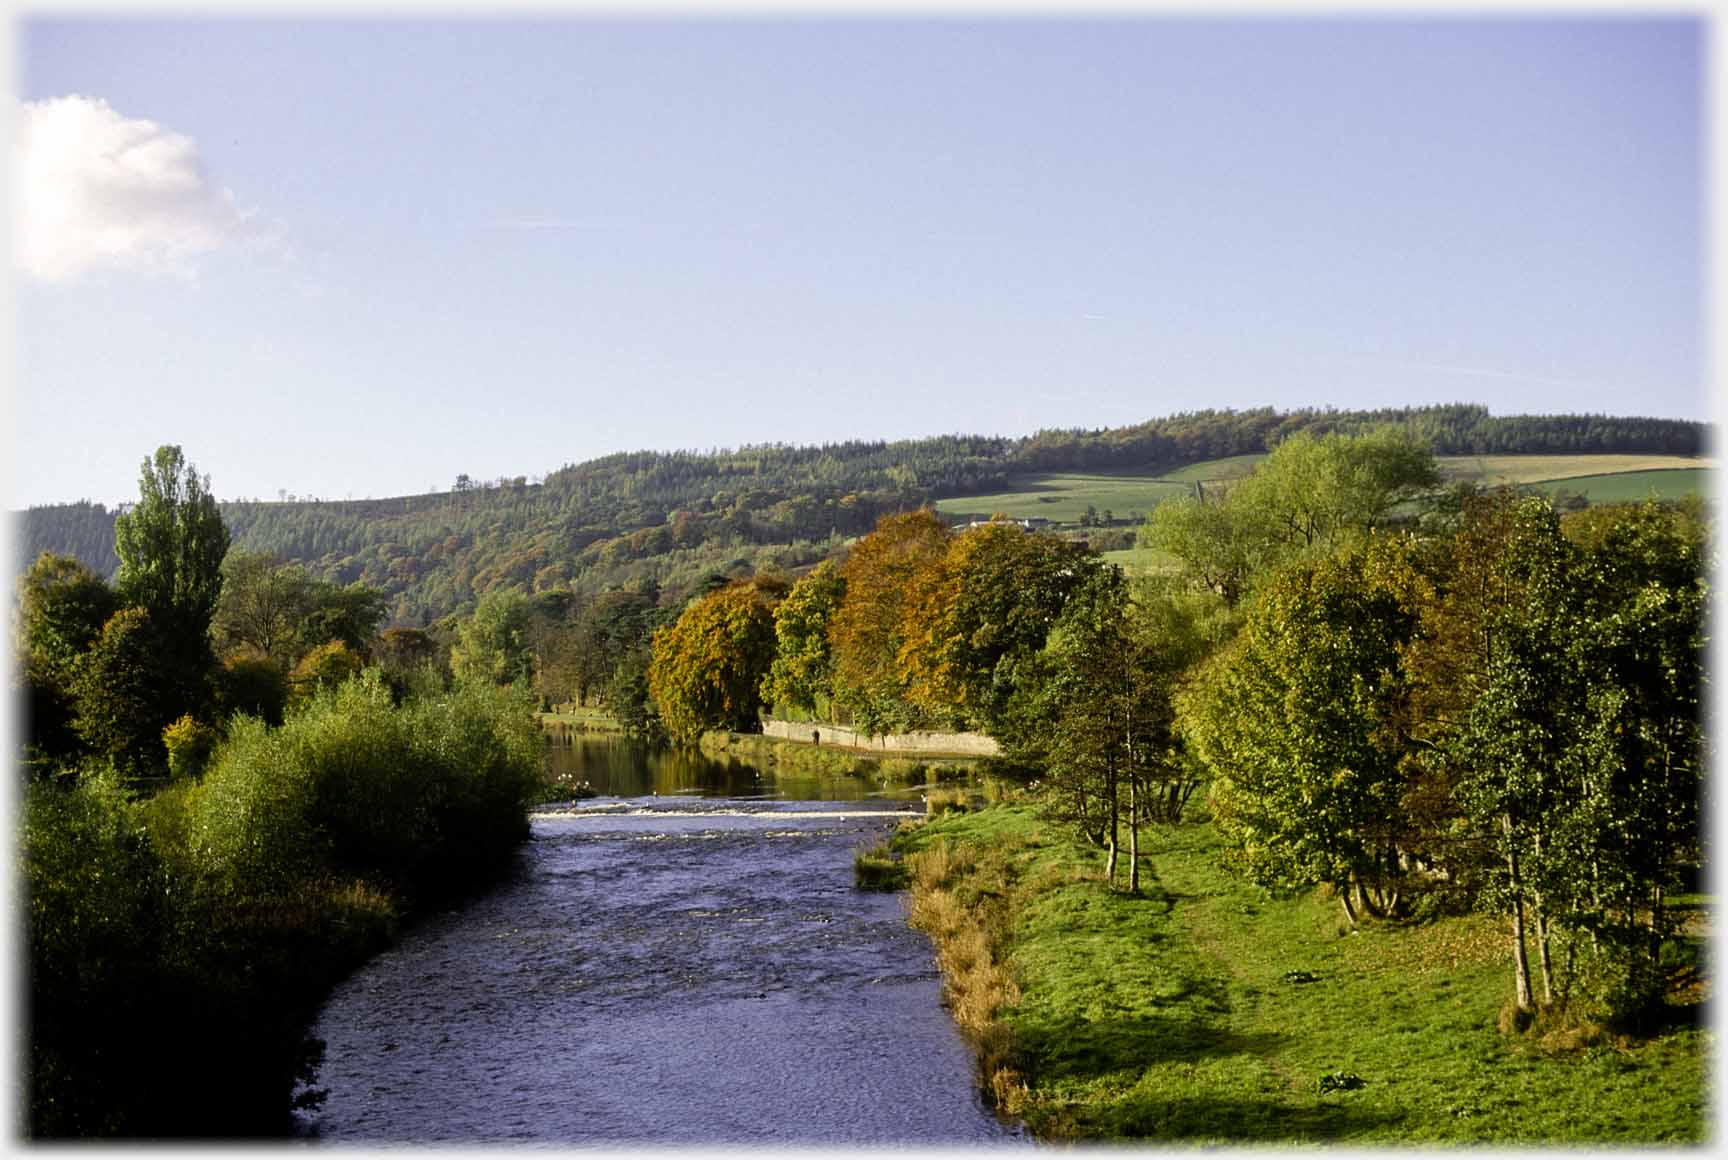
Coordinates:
(670, 518)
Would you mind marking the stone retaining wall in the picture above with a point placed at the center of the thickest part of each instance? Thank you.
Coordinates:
(969, 744)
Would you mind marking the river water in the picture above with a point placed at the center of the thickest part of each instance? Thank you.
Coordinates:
(681, 960)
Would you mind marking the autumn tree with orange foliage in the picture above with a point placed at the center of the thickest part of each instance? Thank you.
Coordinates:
(994, 597)
(883, 573)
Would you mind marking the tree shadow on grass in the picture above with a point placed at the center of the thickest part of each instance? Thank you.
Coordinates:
(1081, 1048)
(1154, 1119)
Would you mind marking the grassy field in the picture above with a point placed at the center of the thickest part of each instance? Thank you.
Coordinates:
(1672, 483)
(1231, 467)
(1136, 560)
(1203, 1011)
(1063, 498)
(1492, 470)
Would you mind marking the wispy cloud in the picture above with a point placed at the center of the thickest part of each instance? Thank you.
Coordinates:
(98, 190)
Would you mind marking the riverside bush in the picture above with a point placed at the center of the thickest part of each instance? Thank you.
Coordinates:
(97, 913)
(354, 786)
(180, 945)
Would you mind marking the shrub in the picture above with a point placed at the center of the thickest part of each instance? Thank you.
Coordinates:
(876, 868)
(328, 665)
(189, 743)
(250, 682)
(417, 796)
(98, 912)
(942, 801)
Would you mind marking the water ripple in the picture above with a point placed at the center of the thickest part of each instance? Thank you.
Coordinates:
(697, 972)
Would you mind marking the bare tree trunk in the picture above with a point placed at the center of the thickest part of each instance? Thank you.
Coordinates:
(1540, 906)
(1349, 910)
(1133, 833)
(1657, 899)
(1542, 956)
(1110, 863)
(1520, 957)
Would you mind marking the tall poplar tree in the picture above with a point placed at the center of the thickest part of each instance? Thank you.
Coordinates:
(152, 662)
(171, 545)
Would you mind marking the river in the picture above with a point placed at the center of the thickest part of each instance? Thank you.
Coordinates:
(682, 960)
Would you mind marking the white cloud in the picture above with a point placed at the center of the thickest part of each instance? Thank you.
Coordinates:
(97, 190)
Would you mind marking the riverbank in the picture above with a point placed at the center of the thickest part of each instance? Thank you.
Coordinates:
(804, 757)
(1203, 1011)
(566, 719)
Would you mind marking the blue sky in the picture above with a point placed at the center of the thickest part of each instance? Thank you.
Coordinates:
(344, 258)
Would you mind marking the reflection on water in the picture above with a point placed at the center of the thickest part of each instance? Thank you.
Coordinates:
(689, 968)
(614, 766)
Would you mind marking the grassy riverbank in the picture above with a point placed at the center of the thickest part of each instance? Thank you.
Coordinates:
(1204, 1011)
(579, 719)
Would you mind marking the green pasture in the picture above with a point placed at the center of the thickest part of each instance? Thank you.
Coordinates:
(1632, 486)
(1140, 560)
(1204, 1011)
(1493, 470)
(1230, 467)
(1063, 497)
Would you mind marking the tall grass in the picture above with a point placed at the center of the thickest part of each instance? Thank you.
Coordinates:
(968, 926)
(876, 868)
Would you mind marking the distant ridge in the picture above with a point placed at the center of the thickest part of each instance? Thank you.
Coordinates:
(670, 518)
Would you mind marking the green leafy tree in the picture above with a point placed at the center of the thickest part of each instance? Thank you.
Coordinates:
(171, 546)
(707, 668)
(1578, 751)
(492, 645)
(613, 626)
(1219, 545)
(263, 605)
(802, 675)
(98, 908)
(1311, 491)
(1309, 495)
(350, 613)
(123, 698)
(1298, 722)
(249, 682)
(1646, 568)
(1511, 742)
(627, 696)
(62, 607)
(1102, 716)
